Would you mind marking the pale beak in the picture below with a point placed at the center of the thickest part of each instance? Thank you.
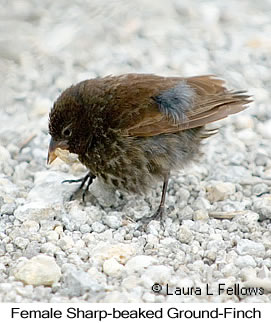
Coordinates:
(52, 148)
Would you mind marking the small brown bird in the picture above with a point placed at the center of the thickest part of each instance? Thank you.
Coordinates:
(132, 130)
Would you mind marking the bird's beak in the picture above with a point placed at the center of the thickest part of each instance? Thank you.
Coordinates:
(52, 148)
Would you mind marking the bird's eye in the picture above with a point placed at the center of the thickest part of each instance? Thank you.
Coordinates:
(66, 132)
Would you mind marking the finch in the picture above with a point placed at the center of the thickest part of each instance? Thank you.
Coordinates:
(132, 130)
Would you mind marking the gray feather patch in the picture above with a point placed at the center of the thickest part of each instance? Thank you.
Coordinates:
(176, 102)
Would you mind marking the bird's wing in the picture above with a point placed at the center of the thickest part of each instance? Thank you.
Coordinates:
(155, 105)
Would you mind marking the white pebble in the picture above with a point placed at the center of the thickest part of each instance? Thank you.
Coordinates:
(40, 270)
(113, 221)
(245, 261)
(219, 191)
(30, 226)
(65, 243)
(112, 268)
(249, 247)
(34, 211)
(98, 227)
(201, 203)
(201, 215)
(184, 234)
(262, 205)
(21, 242)
(4, 154)
(139, 263)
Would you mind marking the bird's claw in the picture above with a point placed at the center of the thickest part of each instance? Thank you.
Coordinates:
(157, 216)
(86, 179)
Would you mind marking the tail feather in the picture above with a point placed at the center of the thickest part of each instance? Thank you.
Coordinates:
(223, 106)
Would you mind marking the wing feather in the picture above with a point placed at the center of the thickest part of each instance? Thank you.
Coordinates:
(153, 103)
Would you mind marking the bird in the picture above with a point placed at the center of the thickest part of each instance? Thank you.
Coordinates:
(133, 130)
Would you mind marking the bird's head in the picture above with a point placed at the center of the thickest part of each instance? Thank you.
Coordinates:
(68, 124)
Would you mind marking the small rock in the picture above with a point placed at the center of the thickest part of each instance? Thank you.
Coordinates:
(243, 121)
(219, 191)
(49, 248)
(32, 249)
(264, 129)
(148, 297)
(229, 270)
(52, 235)
(249, 247)
(78, 282)
(25, 291)
(113, 221)
(112, 268)
(139, 263)
(30, 226)
(263, 207)
(41, 105)
(247, 135)
(130, 282)
(85, 228)
(4, 154)
(153, 228)
(9, 248)
(98, 227)
(247, 222)
(211, 255)
(103, 193)
(48, 189)
(65, 243)
(264, 273)
(186, 213)
(261, 159)
(267, 173)
(245, 261)
(7, 189)
(210, 13)
(105, 250)
(40, 270)
(185, 235)
(2, 249)
(192, 180)
(201, 215)
(21, 172)
(183, 194)
(34, 211)
(5, 287)
(201, 203)
(237, 159)
(21, 242)
(80, 244)
(266, 240)
(76, 214)
(117, 296)
(97, 275)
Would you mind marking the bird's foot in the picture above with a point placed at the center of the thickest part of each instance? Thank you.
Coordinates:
(158, 216)
(86, 179)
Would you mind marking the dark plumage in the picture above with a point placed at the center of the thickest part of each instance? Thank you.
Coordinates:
(131, 130)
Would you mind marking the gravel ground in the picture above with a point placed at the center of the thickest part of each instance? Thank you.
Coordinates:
(217, 229)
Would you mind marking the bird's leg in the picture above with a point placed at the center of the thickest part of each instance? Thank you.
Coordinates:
(160, 211)
(88, 178)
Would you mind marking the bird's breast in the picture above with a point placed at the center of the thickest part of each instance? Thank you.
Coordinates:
(120, 163)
